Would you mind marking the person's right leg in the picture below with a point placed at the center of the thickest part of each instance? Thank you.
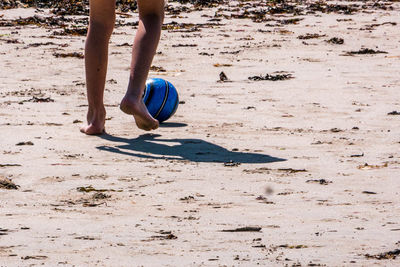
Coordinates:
(101, 25)
(151, 15)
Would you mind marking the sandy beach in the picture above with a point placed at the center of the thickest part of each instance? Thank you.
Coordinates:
(284, 150)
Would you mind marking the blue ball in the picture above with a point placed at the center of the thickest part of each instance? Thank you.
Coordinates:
(161, 98)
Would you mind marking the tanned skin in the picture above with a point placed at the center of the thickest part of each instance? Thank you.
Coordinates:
(101, 25)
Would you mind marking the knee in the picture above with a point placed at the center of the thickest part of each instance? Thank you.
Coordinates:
(152, 11)
(153, 18)
(103, 27)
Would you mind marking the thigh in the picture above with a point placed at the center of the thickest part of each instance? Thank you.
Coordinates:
(153, 7)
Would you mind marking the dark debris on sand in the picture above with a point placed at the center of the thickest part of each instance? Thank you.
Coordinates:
(272, 77)
(64, 7)
(365, 51)
(163, 235)
(390, 255)
(36, 99)
(336, 40)
(310, 36)
(394, 112)
(223, 77)
(243, 229)
(72, 54)
(201, 3)
(319, 181)
(36, 21)
(6, 183)
(28, 143)
(75, 31)
(257, 10)
(261, 11)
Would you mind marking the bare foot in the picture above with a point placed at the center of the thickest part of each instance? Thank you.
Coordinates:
(135, 106)
(96, 120)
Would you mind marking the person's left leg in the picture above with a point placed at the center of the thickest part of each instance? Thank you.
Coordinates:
(151, 15)
(101, 25)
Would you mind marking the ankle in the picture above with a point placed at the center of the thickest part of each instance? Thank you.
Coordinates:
(135, 89)
(96, 113)
(132, 99)
(97, 109)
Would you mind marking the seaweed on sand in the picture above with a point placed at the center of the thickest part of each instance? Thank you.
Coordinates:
(6, 183)
(201, 3)
(64, 7)
(35, 20)
(389, 255)
(365, 51)
(255, 9)
(272, 77)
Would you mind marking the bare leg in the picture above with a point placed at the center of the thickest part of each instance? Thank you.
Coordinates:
(151, 15)
(101, 25)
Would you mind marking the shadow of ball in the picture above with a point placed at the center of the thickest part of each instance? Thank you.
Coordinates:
(161, 98)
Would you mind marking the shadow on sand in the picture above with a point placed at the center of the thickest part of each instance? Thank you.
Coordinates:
(150, 146)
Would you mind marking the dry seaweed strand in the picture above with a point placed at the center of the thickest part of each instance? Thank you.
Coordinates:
(310, 36)
(390, 255)
(72, 54)
(365, 51)
(272, 77)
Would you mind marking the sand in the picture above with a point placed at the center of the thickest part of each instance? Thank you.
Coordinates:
(310, 165)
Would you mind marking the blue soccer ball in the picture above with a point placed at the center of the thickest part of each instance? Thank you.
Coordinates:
(161, 98)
